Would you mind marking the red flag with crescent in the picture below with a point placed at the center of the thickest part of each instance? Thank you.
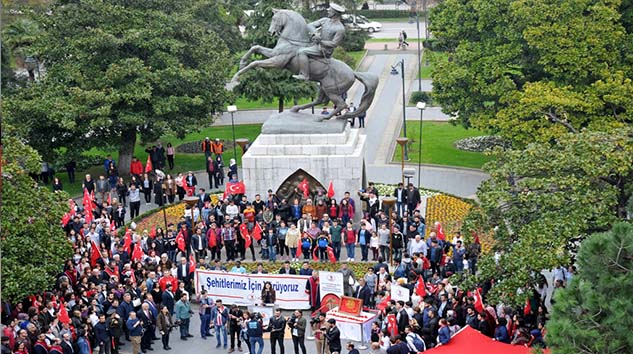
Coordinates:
(152, 232)
(305, 187)
(192, 263)
(382, 306)
(245, 235)
(132, 277)
(330, 190)
(527, 309)
(314, 254)
(109, 198)
(439, 231)
(180, 241)
(65, 219)
(86, 199)
(137, 254)
(148, 165)
(392, 325)
(330, 254)
(420, 289)
(298, 249)
(71, 207)
(479, 304)
(127, 241)
(112, 225)
(62, 316)
(95, 254)
(257, 232)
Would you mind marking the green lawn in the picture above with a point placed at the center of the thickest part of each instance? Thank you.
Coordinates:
(183, 162)
(438, 148)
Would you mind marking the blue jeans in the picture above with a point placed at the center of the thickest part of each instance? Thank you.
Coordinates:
(350, 250)
(472, 265)
(271, 253)
(205, 320)
(259, 341)
(459, 265)
(220, 332)
(400, 208)
(364, 251)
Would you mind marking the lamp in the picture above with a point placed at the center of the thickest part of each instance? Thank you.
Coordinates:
(403, 145)
(421, 106)
(394, 71)
(232, 109)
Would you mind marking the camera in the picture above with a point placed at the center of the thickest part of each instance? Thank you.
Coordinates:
(314, 320)
(257, 316)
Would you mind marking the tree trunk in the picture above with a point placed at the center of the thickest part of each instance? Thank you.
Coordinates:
(128, 141)
(281, 104)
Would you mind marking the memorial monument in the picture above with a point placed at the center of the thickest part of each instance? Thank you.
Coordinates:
(294, 145)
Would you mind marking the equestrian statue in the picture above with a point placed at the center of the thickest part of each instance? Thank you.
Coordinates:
(306, 51)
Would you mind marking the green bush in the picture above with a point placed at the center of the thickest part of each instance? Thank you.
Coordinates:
(341, 54)
(421, 96)
(355, 41)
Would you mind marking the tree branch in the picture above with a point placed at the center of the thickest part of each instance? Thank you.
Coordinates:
(564, 122)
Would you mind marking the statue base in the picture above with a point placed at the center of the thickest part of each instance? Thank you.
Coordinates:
(278, 157)
(299, 123)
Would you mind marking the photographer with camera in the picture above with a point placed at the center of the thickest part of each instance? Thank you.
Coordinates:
(235, 316)
(318, 324)
(333, 336)
(276, 327)
(164, 324)
(298, 326)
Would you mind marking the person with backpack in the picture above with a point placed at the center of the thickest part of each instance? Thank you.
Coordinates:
(306, 245)
(323, 242)
(414, 341)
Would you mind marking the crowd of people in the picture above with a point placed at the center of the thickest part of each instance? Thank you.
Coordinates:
(138, 285)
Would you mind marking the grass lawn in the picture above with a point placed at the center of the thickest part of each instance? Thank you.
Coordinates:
(182, 163)
(438, 148)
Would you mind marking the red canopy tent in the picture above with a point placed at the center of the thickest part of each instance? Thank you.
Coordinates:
(471, 341)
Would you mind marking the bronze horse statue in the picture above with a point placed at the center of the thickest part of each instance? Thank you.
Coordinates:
(334, 76)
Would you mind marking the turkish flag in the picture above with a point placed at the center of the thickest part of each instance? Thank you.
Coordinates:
(479, 304)
(392, 325)
(257, 232)
(475, 237)
(137, 254)
(235, 188)
(148, 165)
(86, 199)
(169, 279)
(298, 249)
(382, 306)
(112, 226)
(420, 289)
(192, 263)
(305, 187)
(111, 271)
(439, 231)
(245, 235)
(89, 216)
(109, 198)
(527, 309)
(152, 232)
(132, 277)
(94, 254)
(62, 316)
(65, 219)
(330, 190)
(71, 207)
(314, 254)
(127, 241)
(330, 254)
(180, 241)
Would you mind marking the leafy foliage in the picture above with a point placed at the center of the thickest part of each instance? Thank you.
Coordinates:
(34, 247)
(533, 70)
(595, 309)
(540, 201)
(270, 84)
(124, 68)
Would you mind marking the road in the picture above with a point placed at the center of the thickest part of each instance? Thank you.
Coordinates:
(392, 30)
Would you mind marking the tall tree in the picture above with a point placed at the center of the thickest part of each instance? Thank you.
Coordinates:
(34, 246)
(532, 70)
(123, 69)
(540, 201)
(270, 84)
(593, 313)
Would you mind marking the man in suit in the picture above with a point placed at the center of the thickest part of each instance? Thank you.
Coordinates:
(286, 269)
(401, 198)
(203, 197)
(183, 273)
(168, 298)
(363, 292)
(402, 317)
(67, 344)
(147, 321)
(413, 198)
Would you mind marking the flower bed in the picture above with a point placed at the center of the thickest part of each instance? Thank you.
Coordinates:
(481, 143)
(448, 210)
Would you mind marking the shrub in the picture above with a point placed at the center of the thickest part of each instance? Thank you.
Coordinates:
(421, 96)
(355, 41)
(482, 143)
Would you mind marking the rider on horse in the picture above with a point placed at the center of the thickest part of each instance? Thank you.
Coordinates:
(332, 33)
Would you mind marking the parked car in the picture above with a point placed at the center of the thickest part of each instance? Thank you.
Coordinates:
(361, 22)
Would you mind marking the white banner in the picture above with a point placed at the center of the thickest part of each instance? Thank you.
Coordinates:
(331, 283)
(265, 311)
(354, 328)
(399, 293)
(246, 289)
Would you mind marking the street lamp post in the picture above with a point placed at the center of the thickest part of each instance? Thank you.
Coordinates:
(394, 71)
(421, 106)
(426, 31)
(417, 19)
(232, 109)
(403, 143)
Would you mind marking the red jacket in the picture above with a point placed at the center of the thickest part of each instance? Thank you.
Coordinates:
(350, 236)
(136, 168)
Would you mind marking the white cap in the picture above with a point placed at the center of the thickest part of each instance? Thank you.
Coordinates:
(338, 8)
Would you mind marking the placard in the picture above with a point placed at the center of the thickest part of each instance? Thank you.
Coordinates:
(400, 293)
(331, 283)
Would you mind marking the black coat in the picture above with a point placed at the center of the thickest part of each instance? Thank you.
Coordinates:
(363, 293)
(168, 300)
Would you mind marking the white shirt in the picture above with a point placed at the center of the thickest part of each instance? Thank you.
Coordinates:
(232, 210)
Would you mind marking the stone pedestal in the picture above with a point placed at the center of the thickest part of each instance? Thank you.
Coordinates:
(336, 157)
